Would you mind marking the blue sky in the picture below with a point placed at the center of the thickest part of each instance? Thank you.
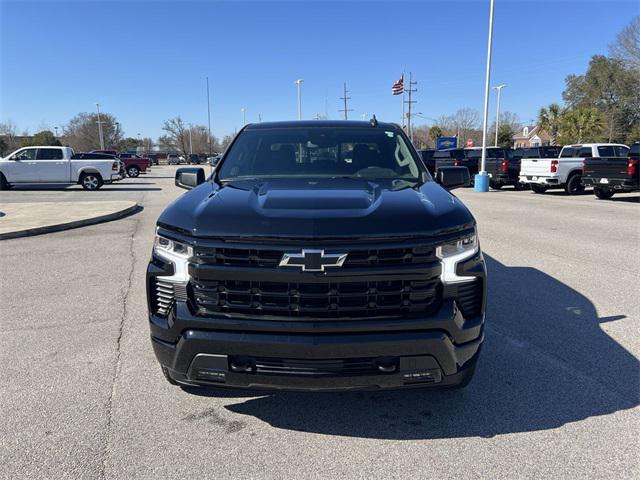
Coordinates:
(147, 61)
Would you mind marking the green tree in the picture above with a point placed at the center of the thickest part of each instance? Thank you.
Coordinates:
(549, 121)
(611, 88)
(434, 133)
(128, 143)
(45, 137)
(583, 124)
(505, 136)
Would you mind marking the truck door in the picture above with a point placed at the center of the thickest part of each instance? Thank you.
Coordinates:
(22, 166)
(52, 166)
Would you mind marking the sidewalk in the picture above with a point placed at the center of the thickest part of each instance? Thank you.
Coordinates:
(26, 219)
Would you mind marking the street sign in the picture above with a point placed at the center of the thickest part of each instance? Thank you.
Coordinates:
(446, 142)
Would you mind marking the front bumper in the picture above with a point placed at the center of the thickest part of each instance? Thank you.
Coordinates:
(322, 354)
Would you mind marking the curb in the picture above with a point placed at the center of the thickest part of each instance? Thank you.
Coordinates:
(29, 232)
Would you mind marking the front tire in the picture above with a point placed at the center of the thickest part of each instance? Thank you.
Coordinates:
(91, 181)
(133, 171)
(496, 185)
(574, 185)
(519, 186)
(603, 193)
(538, 188)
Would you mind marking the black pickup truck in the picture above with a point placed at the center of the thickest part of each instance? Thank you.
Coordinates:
(428, 160)
(612, 172)
(502, 168)
(319, 255)
(452, 157)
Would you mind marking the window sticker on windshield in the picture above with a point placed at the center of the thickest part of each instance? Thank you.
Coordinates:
(389, 134)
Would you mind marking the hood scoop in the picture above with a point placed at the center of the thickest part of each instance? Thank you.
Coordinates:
(350, 195)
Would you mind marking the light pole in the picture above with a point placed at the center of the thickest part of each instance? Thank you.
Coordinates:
(499, 89)
(482, 179)
(364, 116)
(190, 140)
(56, 129)
(100, 128)
(298, 82)
(244, 116)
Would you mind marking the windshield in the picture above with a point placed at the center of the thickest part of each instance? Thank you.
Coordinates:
(322, 152)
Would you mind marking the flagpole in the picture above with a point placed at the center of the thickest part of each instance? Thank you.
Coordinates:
(403, 92)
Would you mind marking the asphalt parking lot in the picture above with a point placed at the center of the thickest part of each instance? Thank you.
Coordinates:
(556, 393)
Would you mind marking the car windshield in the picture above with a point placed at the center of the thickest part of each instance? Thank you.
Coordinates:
(320, 152)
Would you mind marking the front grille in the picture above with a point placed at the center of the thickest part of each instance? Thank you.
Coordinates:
(330, 299)
(469, 298)
(270, 258)
(317, 368)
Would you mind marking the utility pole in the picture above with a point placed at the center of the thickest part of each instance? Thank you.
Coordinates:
(409, 102)
(190, 140)
(100, 128)
(364, 116)
(344, 98)
(499, 89)
(244, 116)
(209, 118)
(56, 129)
(298, 82)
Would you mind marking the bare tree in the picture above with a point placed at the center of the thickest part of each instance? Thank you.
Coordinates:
(626, 46)
(177, 137)
(9, 137)
(83, 134)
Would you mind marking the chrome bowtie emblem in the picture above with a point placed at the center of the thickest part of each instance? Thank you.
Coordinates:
(313, 260)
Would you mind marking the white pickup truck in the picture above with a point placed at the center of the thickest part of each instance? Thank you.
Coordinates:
(566, 170)
(57, 165)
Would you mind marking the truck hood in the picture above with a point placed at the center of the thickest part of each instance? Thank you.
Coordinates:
(346, 208)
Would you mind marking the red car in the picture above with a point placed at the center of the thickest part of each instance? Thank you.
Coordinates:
(134, 164)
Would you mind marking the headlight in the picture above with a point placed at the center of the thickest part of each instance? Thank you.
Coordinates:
(175, 252)
(452, 253)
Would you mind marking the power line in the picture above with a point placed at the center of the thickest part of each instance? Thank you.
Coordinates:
(346, 109)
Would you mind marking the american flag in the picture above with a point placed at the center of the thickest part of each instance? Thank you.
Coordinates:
(398, 87)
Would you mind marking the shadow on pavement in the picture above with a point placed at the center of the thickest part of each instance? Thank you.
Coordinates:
(630, 199)
(546, 362)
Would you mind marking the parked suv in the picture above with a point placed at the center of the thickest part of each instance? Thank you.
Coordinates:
(612, 172)
(318, 255)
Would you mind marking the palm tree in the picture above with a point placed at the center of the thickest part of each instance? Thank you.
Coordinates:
(549, 121)
(581, 125)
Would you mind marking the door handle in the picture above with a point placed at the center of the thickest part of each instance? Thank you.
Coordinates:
(59, 163)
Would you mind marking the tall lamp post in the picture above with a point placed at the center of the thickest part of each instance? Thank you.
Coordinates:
(190, 139)
(244, 116)
(499, 89)
(298, 82)
(100, 128)
(481, 183)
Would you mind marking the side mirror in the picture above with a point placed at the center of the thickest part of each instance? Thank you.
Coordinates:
(453, 177)
(189, 178)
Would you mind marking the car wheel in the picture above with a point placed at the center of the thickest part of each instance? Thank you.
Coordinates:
(496, 185)
(91, 181)
(603, 193)
(538, 188)
(519, 186)
(574, 185)
(133, 172)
